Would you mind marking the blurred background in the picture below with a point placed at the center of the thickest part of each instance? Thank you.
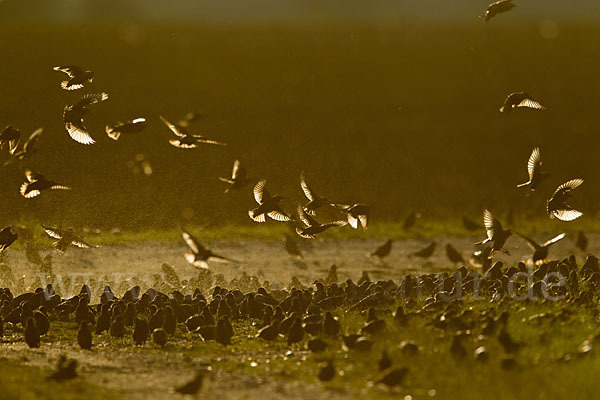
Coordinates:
(391, 104)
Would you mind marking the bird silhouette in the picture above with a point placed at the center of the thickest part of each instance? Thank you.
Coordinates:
(132, 126)
(73, 117)
(426, 252)
(267, 205)
(84, 336)
(187, 140)
(65, 238)
(10, 136)
(557, 206)
(327, 373)
(394, 377)
(31, 334)
(496, 8)
(355, 213)
(65, 370)
(77, 77)
(28, 149)
(238, 177)
(193, 386)
(454, 255)
(495, 233)
(540, 251)
(7, 237)
(411, 220)
(36, 183)
(534, 170)
(314, 200)
(200, 254)
(520, 100)
(382, 251)
(313, 227)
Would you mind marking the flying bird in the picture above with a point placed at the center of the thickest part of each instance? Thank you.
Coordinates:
(382, 251)
(557, 206)
(200, 254)
(28, 148)
(496, 8)
(314, 201)
(77, 77)
(267, 205)
(10, 136)
(65, 238)
(132, 126)
(73, 117)
(540, 252)
(312, 226)
(495, 233)
(534, 170)
(520, 100)
(238, 177)
(186, 140)
(36, 183)
(7, 237)
(426, 252)
(355, 213)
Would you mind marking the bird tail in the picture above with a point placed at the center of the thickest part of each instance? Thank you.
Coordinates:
(523, 184)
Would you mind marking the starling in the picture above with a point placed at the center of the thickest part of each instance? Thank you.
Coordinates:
(327, 372)
(73, 117)
(267, 205)
(223, 332)
(186, 140)
(65, 238)
(270, 332)
(314, 201)
(291, 246)
(497, 8)
(103, 323)
(426, 252)
(10, 136)
(313, 227)
(36, 183)
(540, 252)
(495, 233)
(355, 213)
(520, 100)
(65, 370)
(7, 237)
(135, 125)
(32, 335)
(582, 242)
(534, 170)
(296, 332)
(42, 322)
(454, 255)
(192, 387)
(84, 336)
(117, 327)
(382, 251)
(77, 77)
(238, 177)
(28, 148)
(317, 345)
(200, 255)
(140, 331)
(384, 362)
(411, 220)
(159, 336)
(394, 377)
(331, 326)
(557, 206)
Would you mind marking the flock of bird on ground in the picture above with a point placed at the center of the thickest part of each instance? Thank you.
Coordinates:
(297, 313)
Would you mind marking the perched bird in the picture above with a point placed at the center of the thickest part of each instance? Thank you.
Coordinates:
(267, 205)
(65, 238)
(327, 373)
(200, 255)
(77, 77)
(426, 252)
(540, 252)
(269, 332)
(382, 251)
(495, 233)
(36, 183)
(411, 220)
(28, 148)
(385, 361)
(73, 117)
(497, 8)
(291, 246)
(186, 140)
(534, 166)
(192, 387)
(582, 241)
(314, 201)
(355, 213)
(133, 126)
(32, 335)
(140, 331)
(238, 177)
(312, 226)
(84, 336)
(223, 331)
(65, 370)
(454, 255)
(7, 237)
(10, 136)
(520, 100)
(557, 206)
(159, 336)
(394, 377)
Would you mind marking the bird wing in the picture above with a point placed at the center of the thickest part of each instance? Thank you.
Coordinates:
(305, 188)
(528, 102)
(334, 223)
(567, 215)
(257, 218)
(353, 221)
(534, 163)
(568, 186)
(205, 140)
(54, 233)
(260, 191)
(364, 220)
(177, 130)
(82, 244)
(305, 218)
(91, 98)
(32, 176)
(70, 70)
(77, 129)
(532, 243)
(178, 143)
(29, 145)
(554, 240)
(236, 169)
(192, 242)
(279, 215)
(488, 222)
